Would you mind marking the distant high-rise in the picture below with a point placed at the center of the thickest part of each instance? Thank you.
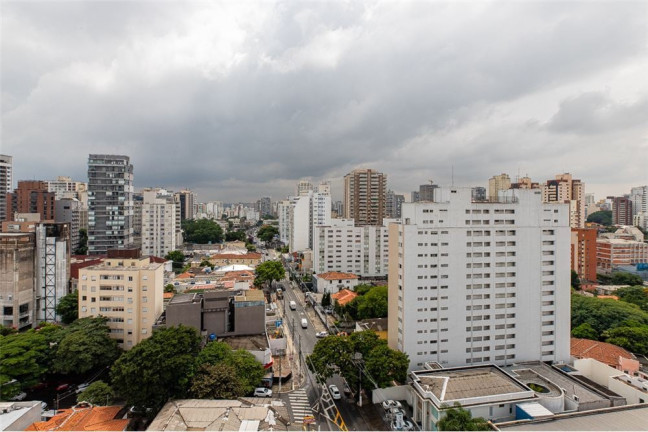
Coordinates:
(303, 187)
(564, 189)
(425, 193)
(622, 211)
(158, 222)
(31, 196)
(186, 198)
(365, 193)
(479, 193)
(6, 183)
(496, 184)
(394, 203)
(264, 206)
(110, 203)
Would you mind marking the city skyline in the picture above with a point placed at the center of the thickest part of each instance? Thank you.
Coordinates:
(238, 101)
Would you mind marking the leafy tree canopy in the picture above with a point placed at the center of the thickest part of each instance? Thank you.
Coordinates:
(370, 303)
(97, 393)
(86, 345)
(460, 419)
(202, 231)
(605, 314)
(68, 307)
(82, 249)
(575, 280)
(603, 217)
(235, 236)
(157, 368)
(248, 369)
(634, 339)
(217, 381)
(585, 331)
(267, 232)
(269, 271)
(637, 295)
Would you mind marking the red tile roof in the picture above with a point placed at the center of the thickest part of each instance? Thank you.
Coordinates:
(185, 275)
(250, 255)
(601, 351)
(90, 418)
(344, 296)
(336, 276)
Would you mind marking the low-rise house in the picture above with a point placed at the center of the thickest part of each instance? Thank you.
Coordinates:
(606, 353)
(251, 259)
(244, 414)
(85, 417)
(332, 282)
(376, 325)
(344, 297)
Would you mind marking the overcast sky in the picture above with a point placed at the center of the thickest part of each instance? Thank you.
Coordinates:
(238, 100)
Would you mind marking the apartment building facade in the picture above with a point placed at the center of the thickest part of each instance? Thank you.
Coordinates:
(110, 203)
(622, 211)
(341, 246)
(565, 189)
(480, 282)
(616, 252)
(17, 279)
(160, 228)
(6, 183)
(497, 183)
(129, 291)
(31, 196)
(583, 253)
(365, 196)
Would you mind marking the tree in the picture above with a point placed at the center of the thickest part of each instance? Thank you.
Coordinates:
(248, 369)
(575, 280)
(97, 393)
(169, 288)
(603, 217)
(68, 307)
(373, 304)
(625, 278)
(216, 381)
(87, 345)
(177, 257)
(634, 339)
(202, 231)
(235, 236)
(326, 299)
(269, 271)
(585, 331)
(82, 249)
(23, 357)
(157, 368)
(386, 365)
(267, 233)
(637, 295)
(330, 355)
(604, 314)
(460, 419)
(250, 247)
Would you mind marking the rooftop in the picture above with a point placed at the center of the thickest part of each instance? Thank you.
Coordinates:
(250, 414)
(457, 384)
(601, 351)
(344, 296)
(633, 417)
(84, 417)
(336, 276)
(249, 343)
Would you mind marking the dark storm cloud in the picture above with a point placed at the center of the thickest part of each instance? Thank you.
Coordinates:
(241, 100)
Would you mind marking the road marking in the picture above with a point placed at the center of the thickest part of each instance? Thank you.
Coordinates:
(299, 405)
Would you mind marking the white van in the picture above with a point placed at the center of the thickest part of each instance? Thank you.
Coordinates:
(293, 305)
(304, 323)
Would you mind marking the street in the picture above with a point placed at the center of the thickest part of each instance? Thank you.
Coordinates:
(304, 342)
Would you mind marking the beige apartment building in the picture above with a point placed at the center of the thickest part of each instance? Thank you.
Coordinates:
(365, 197)
(129, 291)
(565, 189)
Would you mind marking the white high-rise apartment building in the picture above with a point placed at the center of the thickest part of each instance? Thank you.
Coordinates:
(362, 250)
(159, 222)
(480, 282)
(639, 198)
(299, 216)
(6, 183)
(303, 187)
(283, 215)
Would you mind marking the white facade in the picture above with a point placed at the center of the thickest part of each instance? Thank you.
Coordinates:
(300, 224)
(299, 216)
(6, 183)
(362, 250)
(283, 215)
(159, 223)
(475, 282)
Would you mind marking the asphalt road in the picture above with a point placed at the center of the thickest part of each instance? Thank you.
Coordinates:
(305, 341)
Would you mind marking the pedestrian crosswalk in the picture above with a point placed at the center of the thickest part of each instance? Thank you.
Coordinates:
(299, 405)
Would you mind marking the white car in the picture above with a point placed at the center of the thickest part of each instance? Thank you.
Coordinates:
(335, 393)
(391, 404)
(321, 334)
(262, 392)
(82, 387)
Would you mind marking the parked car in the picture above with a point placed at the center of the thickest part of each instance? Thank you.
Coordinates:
(335, 392)
(19, 397)
(262, 392)
(321, 334)
(82, 387)
(304, 323)
(62, 387)
(328, 310)
(388, 404)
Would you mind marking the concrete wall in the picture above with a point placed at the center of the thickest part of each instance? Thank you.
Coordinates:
(17, 278)
(187, 314)
(399, 393)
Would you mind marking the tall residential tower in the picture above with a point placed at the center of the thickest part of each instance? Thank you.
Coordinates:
(365, 197)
